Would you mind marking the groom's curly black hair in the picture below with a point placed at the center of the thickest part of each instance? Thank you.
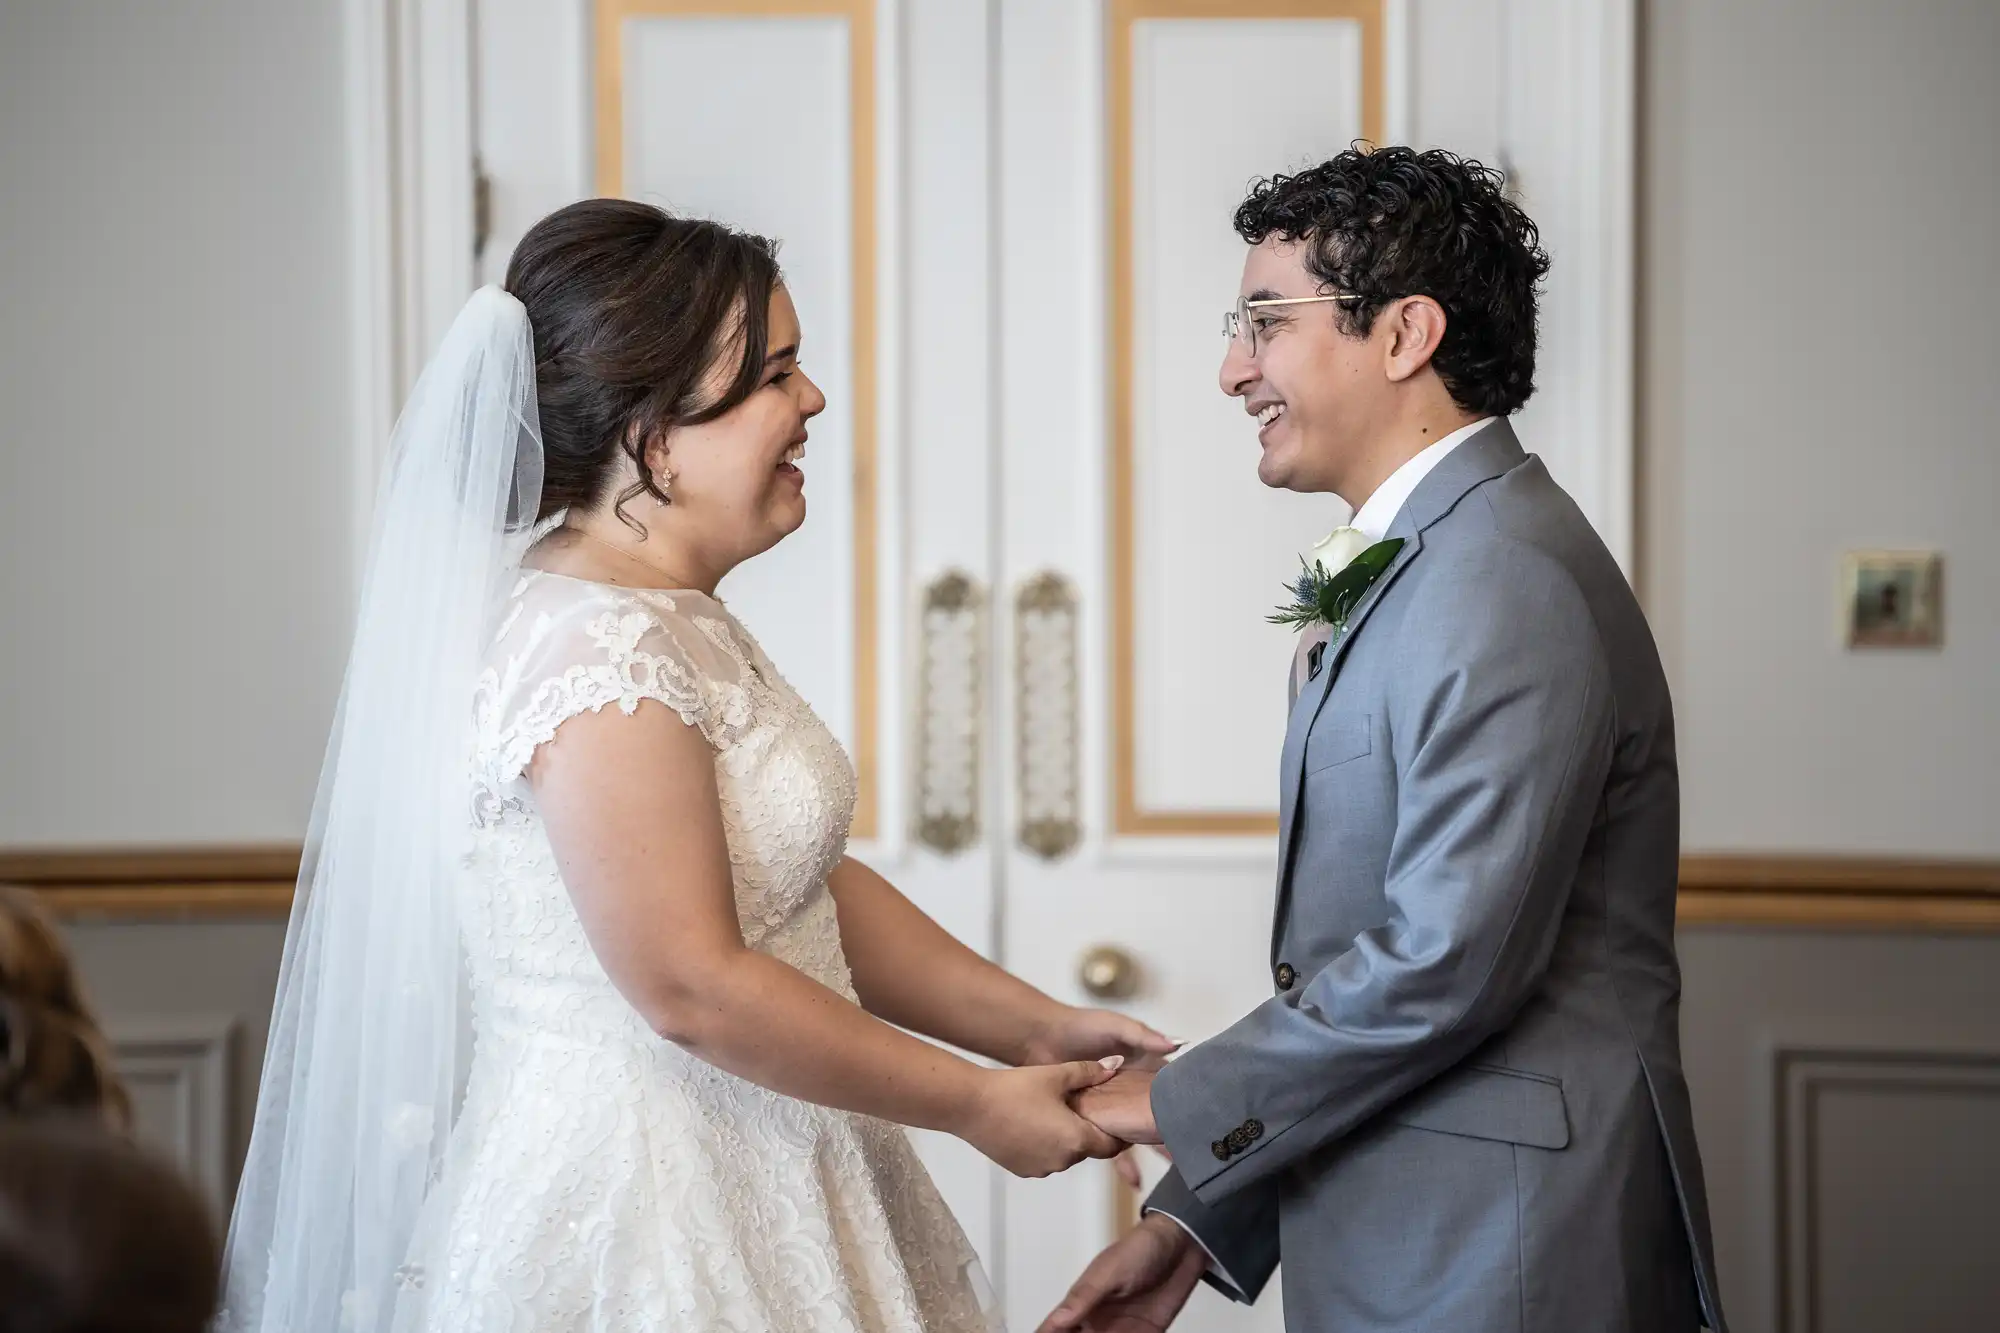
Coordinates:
(1386, 223)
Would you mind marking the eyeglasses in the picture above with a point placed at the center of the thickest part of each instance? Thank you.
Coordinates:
(1237, 326)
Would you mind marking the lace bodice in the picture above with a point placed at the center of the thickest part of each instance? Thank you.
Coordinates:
(567, 647)
(599, 1176)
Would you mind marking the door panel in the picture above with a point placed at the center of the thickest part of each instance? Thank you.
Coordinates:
(1006, 223)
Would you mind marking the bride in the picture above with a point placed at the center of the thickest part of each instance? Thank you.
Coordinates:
(586, 1019)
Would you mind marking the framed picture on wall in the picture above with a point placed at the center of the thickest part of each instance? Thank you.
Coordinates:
(1893, 599)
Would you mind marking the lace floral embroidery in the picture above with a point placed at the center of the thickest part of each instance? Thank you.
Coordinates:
(601, 1177)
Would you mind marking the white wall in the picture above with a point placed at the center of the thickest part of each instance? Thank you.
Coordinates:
(175, 457)
(1820, 277)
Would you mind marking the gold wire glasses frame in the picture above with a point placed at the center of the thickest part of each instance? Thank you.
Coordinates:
(1237, 326)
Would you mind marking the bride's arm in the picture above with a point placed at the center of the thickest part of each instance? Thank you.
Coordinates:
(632, 813)
(912, 972)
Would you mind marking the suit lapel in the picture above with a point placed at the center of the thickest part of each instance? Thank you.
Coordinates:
(1490, 453)
(1305, 710)
(1312, 640)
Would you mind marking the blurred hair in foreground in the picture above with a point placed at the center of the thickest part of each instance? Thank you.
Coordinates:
(52, 1055)
(99, 1236)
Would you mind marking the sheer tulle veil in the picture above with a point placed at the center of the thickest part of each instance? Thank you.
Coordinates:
(369, 1041)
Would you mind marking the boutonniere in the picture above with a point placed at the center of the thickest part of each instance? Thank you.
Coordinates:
(1337, 573)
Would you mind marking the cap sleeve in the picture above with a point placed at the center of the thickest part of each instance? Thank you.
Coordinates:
(568, 647)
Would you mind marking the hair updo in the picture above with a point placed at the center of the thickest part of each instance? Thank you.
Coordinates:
(630, 308)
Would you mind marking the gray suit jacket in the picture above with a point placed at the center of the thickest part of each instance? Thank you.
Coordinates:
(1462, 1108)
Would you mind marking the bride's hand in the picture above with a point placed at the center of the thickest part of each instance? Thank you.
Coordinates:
(1091, 1034)
(1021, 1118)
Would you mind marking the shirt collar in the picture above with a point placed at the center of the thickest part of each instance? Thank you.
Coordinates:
(1381, 508)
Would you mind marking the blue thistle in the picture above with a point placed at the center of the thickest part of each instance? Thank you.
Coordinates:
(1330, 598)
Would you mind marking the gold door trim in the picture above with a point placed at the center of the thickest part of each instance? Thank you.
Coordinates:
(1127, 816)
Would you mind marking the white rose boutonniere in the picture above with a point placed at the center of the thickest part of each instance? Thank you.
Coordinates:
(1338, 571)
(1336, 551)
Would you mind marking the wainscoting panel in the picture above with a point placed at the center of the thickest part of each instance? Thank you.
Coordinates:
(1889, 1197)
(1847, 1098)
(178, 1071)
(1844, 1057)
(187, 1006)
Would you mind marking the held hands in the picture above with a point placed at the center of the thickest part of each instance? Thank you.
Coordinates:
(1077, 1033)
(1140, 1282)
(1032, 1120)
(1121, 1106)
(1022, 1119)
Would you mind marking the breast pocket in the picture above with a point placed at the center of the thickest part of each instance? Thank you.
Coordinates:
(1338, 739)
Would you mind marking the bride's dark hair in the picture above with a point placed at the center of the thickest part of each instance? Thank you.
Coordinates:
(631, 307)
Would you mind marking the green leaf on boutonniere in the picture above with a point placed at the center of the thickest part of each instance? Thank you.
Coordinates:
(1328, 599)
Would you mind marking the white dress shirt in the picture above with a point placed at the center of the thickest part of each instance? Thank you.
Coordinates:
(1379, 510)
(1374, 518)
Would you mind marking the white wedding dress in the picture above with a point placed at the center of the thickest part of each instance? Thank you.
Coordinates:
(598, 1177)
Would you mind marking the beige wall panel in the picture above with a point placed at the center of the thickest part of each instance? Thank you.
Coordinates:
(1819, 280)
(176, 453)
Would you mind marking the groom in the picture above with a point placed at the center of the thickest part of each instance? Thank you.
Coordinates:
(1462, 1107)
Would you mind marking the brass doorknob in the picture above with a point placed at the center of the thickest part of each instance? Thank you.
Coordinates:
(1107, 972)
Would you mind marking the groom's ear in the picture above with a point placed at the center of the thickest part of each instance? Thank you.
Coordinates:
(1413, 327)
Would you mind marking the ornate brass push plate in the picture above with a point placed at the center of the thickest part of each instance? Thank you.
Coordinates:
(1045, 625)
(950, 713)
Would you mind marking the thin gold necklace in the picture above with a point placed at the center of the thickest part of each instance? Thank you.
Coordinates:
(673, 584)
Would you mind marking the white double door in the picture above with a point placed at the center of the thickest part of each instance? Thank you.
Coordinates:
(1030, 592)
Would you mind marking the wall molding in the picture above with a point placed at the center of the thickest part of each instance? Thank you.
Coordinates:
(1799, 1075)
(150, 883)
(1839, 892)
(1813, 891)
(1803, 873)
(189, 1058)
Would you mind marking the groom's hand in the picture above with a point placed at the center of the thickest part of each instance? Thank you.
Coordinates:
(1137, 1285)
(1121, 1106)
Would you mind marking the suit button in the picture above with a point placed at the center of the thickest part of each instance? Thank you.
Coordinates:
(1220, 1149)
(1286, 977)
(1252, 1131)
